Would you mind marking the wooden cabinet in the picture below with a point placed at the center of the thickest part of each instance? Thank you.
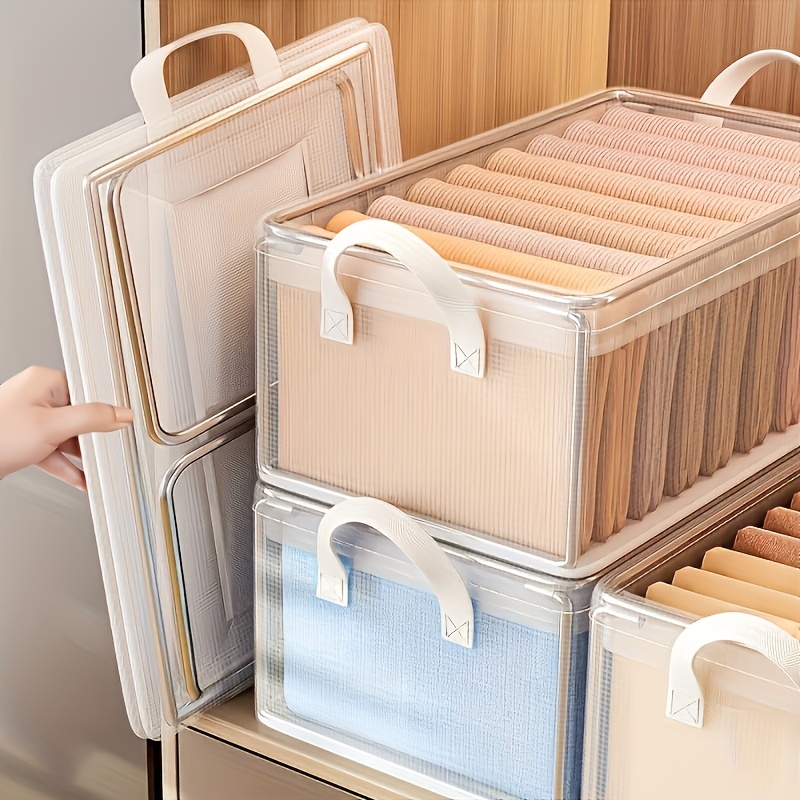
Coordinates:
(462, 66)
(226, 754)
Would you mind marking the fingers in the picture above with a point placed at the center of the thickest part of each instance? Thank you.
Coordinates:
(71, 447)
(57, 465)
(70, 421)
(44, 386)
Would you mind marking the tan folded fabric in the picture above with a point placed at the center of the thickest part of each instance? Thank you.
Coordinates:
(596, 205)
(728, 138)
(742, 593)
(687, 422)
(702, 606)
(512, 237)
(550, 219)
(758, 571)
(652, 421)
(759, 393)
(689, 200)
(724, 387)
(787, 401)
(664, 170)
(783, 520)
(768, 544)
(501, 260)
(698, 155)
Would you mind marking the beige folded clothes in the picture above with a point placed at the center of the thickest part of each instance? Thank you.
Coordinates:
(728, 138)
(512, 237)
(759, 571)
(550, 219)
(699, 155)
(596, 205)
(664, 170)
(702, 606)
(688, 200)
(740, 592)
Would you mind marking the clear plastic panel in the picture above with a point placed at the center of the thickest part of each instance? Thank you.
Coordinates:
(81, 191)
(638, 403)
(209, 501)
(186, 218)
(376, 681)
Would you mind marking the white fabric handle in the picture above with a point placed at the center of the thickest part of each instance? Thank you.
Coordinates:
(685, 700)
(467, 339)
(147, 78)
(724, 88)
(457, 616)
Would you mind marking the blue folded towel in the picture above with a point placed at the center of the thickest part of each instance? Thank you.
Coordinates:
(380, 670)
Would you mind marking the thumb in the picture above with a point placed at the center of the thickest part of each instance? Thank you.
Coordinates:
(66, 422)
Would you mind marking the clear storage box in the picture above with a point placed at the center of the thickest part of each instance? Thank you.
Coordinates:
(547, 426)
(681, 709)
(445, 668)
(148, 229)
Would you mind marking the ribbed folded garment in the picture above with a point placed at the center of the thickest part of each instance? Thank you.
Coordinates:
(635, 188)
(728, 138)
(768, 544)
(664, 170)
(685, 152)
(550, 219)
(512, 237)
(502, 261)
(783, 520)
(584, 202)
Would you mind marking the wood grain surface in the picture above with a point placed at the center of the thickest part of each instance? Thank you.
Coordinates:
(463, 66)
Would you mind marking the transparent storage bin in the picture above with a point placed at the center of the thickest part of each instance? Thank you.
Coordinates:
(148, 229)
(570, 428)
(733, 737)
(445, 668)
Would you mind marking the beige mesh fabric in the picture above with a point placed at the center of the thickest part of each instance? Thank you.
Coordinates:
(613, 378)
(491, 454)
(745, 750)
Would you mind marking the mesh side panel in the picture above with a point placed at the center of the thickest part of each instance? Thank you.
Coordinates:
(214, 529)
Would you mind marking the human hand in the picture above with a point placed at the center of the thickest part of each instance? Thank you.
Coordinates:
(39, 426)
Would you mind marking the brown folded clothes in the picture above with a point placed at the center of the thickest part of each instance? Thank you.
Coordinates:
(768, 544)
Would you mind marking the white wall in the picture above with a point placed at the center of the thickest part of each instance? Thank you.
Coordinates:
(64, 67)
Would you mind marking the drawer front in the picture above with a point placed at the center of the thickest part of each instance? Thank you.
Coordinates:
(212, 770)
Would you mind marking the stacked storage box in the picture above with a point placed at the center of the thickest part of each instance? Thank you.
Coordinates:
(547, 345)
(729, 683)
